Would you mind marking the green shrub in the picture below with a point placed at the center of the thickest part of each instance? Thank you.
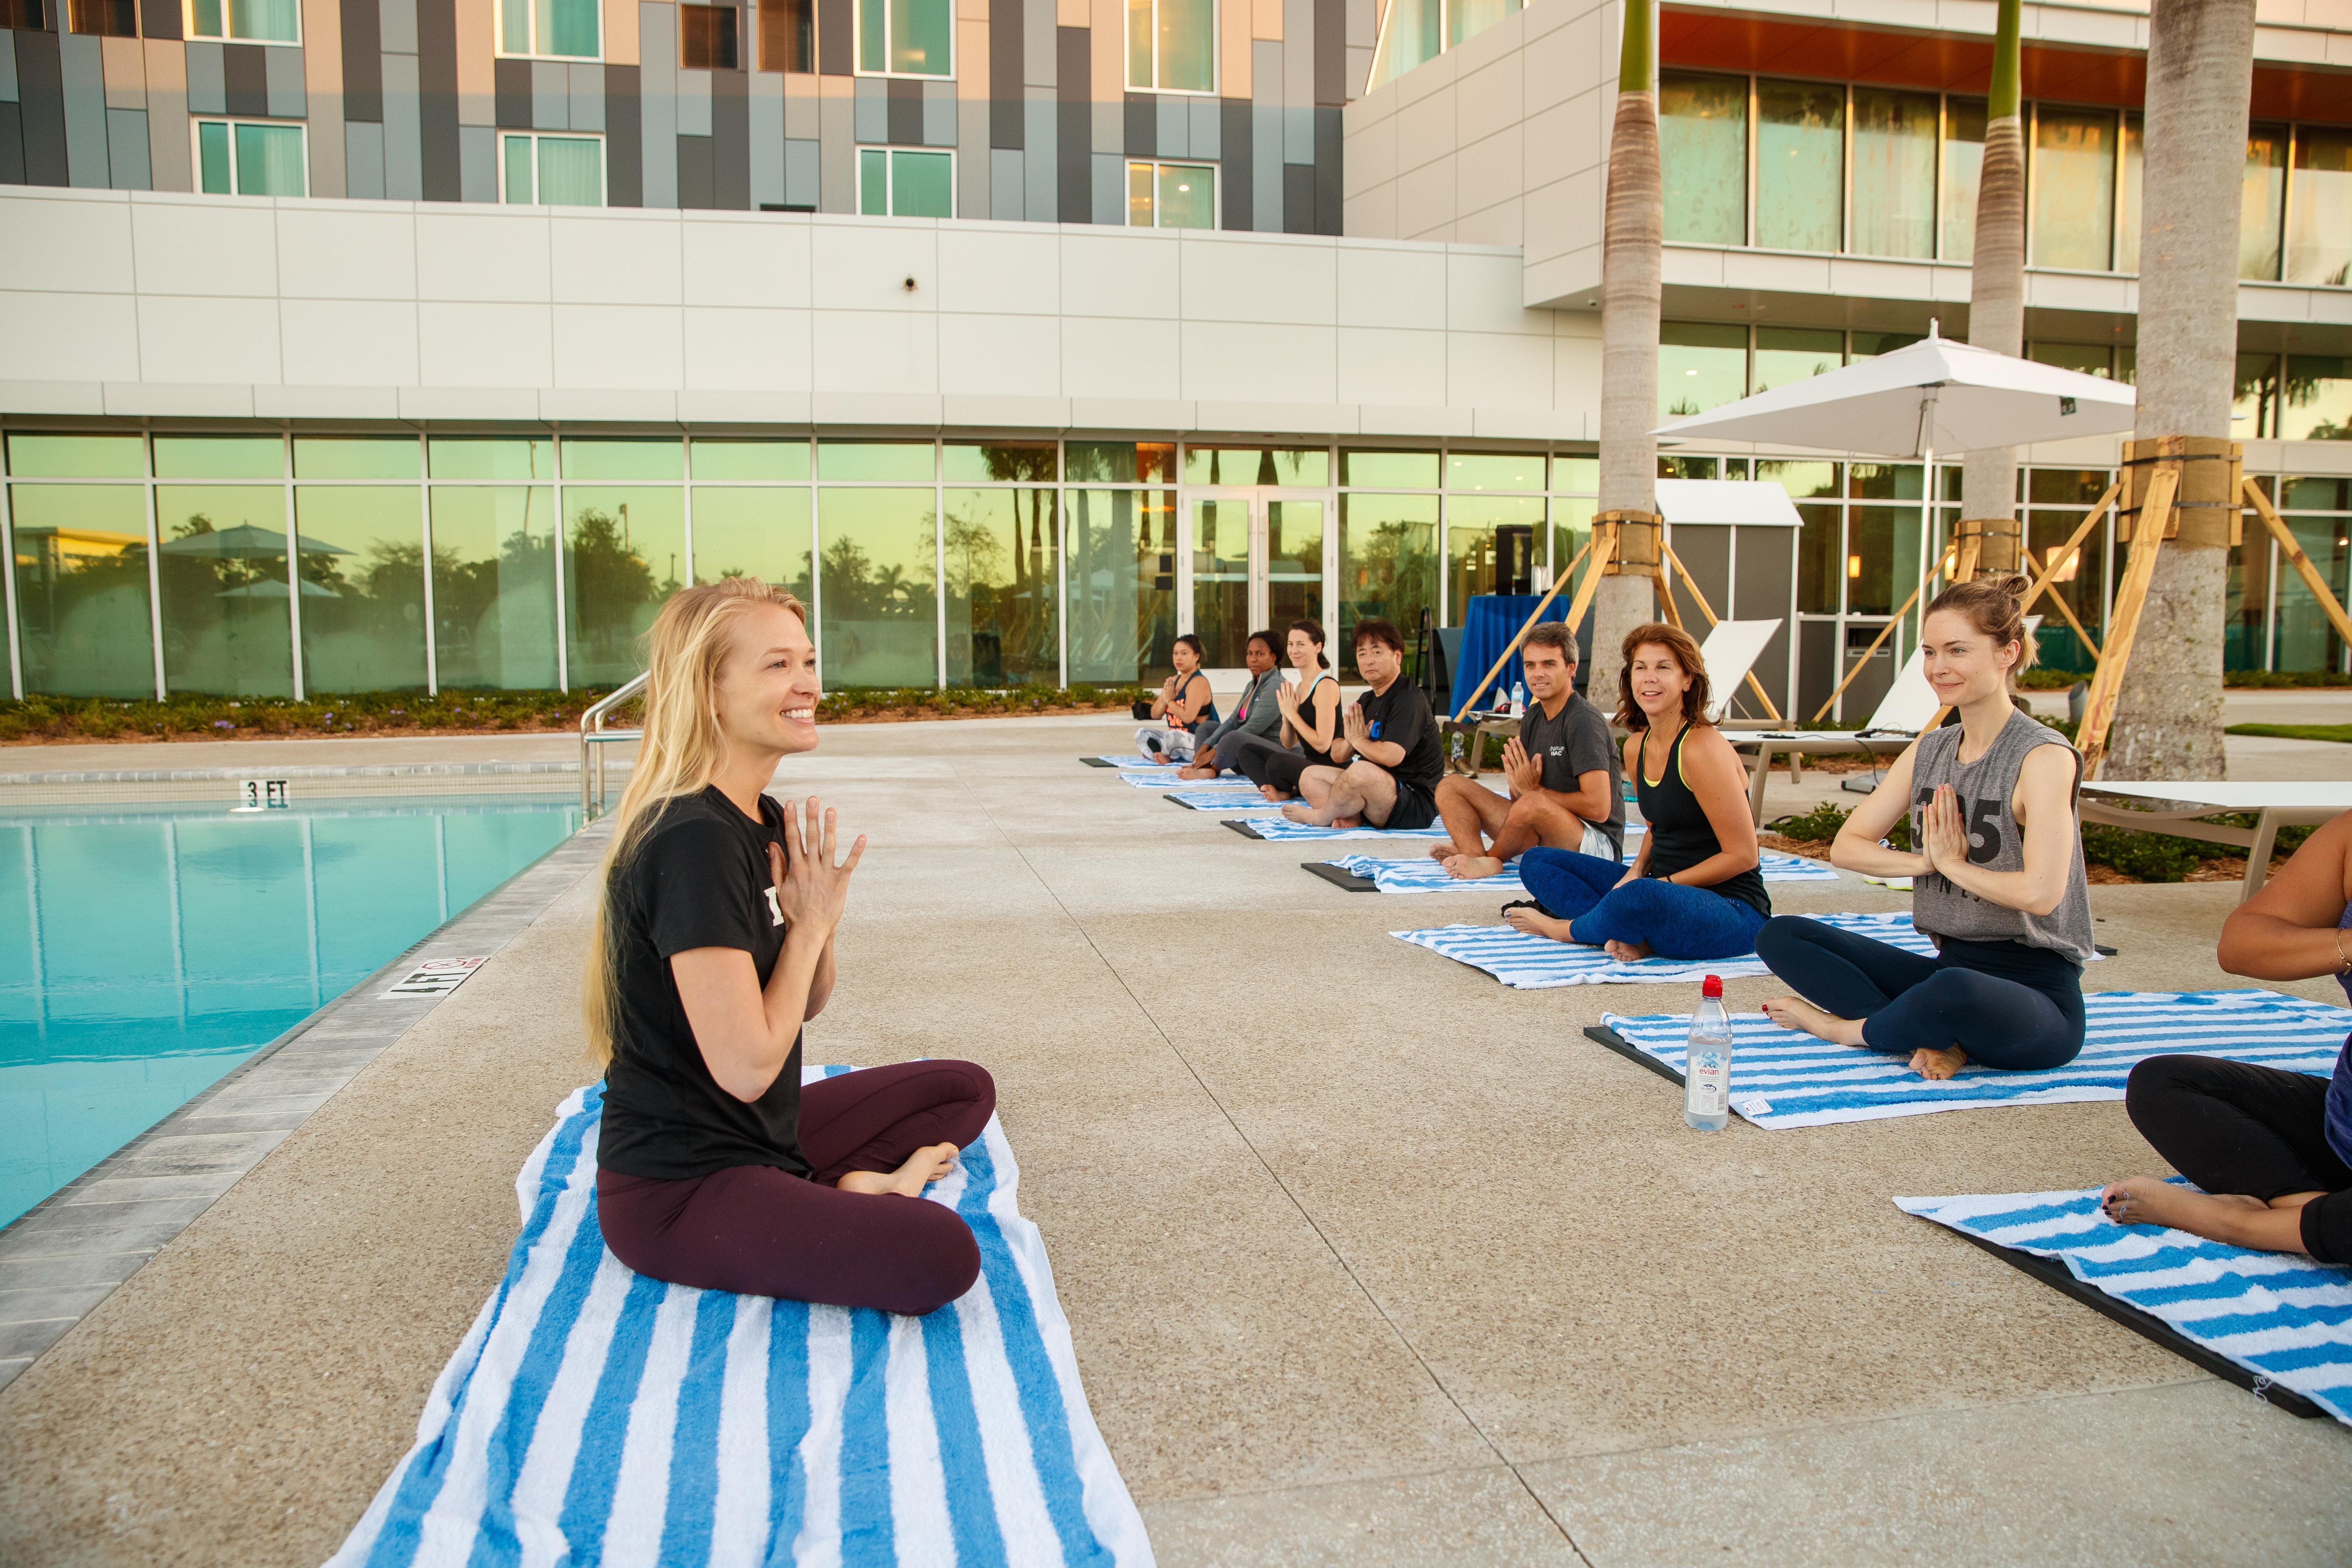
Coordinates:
(2258, 680)
(1816, 827)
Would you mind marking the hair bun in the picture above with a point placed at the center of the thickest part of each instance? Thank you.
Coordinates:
(2016, 584)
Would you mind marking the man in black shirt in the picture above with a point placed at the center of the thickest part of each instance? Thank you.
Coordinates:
(1565, 778)
(1388, 750)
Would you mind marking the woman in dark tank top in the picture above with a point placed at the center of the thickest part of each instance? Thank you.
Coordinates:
(1694, 890)
(1996, 873)
(1310, 719)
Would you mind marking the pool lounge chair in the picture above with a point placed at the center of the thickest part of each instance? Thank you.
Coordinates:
(1909, 707)
(2174, 808)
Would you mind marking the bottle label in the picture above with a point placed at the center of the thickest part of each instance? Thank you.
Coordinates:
(1709, 1083)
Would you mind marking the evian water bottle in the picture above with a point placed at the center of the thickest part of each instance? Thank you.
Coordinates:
(1707, 1063)
(1518, 699)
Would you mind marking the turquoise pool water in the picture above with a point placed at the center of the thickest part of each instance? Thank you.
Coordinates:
(145, 952)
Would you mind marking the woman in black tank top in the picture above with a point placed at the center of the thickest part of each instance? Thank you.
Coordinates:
(1694, 890)
(1310, 719)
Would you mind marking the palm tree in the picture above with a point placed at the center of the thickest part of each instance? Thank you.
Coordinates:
(1997, 283)
(1631, 235)
(2199, 79)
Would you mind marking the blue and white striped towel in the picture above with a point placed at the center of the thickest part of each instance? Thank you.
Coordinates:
(1224, 799)
(2281, 1316)
(1419, 874)
(1783, 1078)
(1131, 761)
(1164, 778)
(593, 1415)
(1279, 828)
(1528, 963)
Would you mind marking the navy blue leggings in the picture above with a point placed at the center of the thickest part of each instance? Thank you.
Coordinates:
(1677, 921)
(2006, 1004)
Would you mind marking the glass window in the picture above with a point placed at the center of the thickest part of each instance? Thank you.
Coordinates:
(1964, 134)
(1122, 584)
(362, 573)
(489, 458)
(1882, 550)
(1703, 157)
(2261, 202)
(1800, 165)
(877, 588)
(1472, 560)
(900, 460)
(2307, 640)
(1700, 366)
(1294, 560)
(2255, 398)
(1412, 35)
(623, 460)
(706, 37)
(1000, 555)
(1821, 551)
(82, 619)
(1309, 467)
(250, 21)
(2090, 359)
(1894, 173)
(220, 457)
(107, 18)
(750, 531)
(999, 461)
(2073, 181)
(1571, 527)
(2128, 217)
(624, 554)
(1802, 480)
(1870, 345)
(788, 35)
(1495, 472)
(1465, 19)
(750, 459)
(1886, 482)
(33, 456)
(2327, 494)
(222, 567)
(1674, 467)
(1121, 462)
(568, 29)
(1408, 470)
(2319, 229)
(2080, 579)
(1580, 474)
(905, 38)
(493, 581)
(895, 182)
(1220, 579)
(1785, 355)
(1171, 45)
(358, 457)
(2318, 401)
(1388, 568)
(552, 171)
(1172, 195)
(240, 158)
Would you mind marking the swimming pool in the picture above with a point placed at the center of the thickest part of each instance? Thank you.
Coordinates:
(147, 951)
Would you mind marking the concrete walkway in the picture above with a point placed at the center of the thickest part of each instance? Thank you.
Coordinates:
(1368, 1259)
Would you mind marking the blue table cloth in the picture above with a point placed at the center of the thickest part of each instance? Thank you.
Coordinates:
(1492, 621)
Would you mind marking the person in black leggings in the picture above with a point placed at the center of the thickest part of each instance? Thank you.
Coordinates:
(1310, 719)
(2273, 1149)
(1997, 880)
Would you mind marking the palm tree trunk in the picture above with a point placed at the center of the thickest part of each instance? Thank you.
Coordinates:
(1997, 283)
(1631, 235)
(2200, 76)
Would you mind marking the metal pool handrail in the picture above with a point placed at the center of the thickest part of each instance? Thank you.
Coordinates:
(592, 733)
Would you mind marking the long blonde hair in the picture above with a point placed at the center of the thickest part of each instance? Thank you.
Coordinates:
(681, 750)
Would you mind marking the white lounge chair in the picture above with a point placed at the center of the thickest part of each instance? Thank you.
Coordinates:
(2177, 806)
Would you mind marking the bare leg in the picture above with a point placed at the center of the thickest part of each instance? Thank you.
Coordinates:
(1314, 793)
(923, 1167)
(2233, 1218)
(1524, 823)
(1371, 794)
(1535, 922)
(1470, 812)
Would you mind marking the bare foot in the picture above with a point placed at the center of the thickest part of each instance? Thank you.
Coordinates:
(1271, 794)
(922, 1168)
(1938, 1065)
(1626, 951)
(1347, 822)
(1796, 1013)
(1471, 868)
(1195, 771)
(1535, 922)
(1302, 812)
(1441, 852)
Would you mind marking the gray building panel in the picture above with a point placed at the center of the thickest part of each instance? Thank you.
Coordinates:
(477, 163)
(437, 108)
(7, 65)
(1206, 122)
(1074, 124)
(1174, 136)
(1037, 44)
(801, 96)
(625, 151)
(1266, 167)
(939, 113)
(126, 150)
(973, 160)
(1298, 133)
(1234, 167)
(207, 79)
(363, 160)
(82, 75)
(1141, 125)
(873, 110)
(1005, 172)
(803, 169)
(766, 150)
(1297, 51)
(12, 142)
(693, 90)
(584, 87)
(1363, 23)
(730, 140)
(245, 76)
(1330, 47)
(906, 112)
(362, 64)
(836, 37)
(1328, 196)
(1039, 178)
(396, 19)
(404, 142)
(658, 100)
(550, 85)
(511, 84)
(282, 84)
(1110, 188)
(694, 182)
(837, 163)
(1111, 125)
(159, 19)
(1007, 29)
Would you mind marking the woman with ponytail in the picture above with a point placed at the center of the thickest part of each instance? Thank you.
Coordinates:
(713, 945)
(1996, 867)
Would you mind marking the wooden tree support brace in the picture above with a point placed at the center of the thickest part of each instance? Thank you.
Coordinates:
(1690, 585)
(2131, 600)
(1603, 542)
(2292, 548)
(2063, 607)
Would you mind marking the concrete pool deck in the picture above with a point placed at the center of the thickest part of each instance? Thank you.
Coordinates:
(1385, 1264)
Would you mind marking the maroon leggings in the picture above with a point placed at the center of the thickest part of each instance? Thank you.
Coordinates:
(765, 1232)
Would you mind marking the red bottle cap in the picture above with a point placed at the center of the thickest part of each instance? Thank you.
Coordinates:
(1713, 989)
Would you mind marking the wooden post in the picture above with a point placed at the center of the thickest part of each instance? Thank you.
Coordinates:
(2063, 607)
(2292, 548)
(1995, 542)
(1690, 585)
(1942, 567)
(1575, 612)
(2155, 516)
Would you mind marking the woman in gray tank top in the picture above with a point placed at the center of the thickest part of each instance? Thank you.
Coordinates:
(1996, 873)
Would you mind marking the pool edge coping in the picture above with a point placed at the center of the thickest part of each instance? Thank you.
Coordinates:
(94, 1252)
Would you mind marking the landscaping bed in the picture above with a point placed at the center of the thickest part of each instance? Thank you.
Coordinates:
(2111, 855)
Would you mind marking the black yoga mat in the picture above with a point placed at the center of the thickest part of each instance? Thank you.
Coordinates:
(1340, 877)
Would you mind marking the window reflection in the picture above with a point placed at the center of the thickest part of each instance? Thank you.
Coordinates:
(2073, 180)
(1475, 555)
(1785, 355)
(2261, 202)
(1388, 568)
(749, 533)
(81, 586)
(1700, 366)
(624, 554)
(878, 596)
(2319, 229)
(493, 584)
(1122, 584)
(1964, 134)
(1894, 173)
(1703, 157)
(223, 569)
(1800, 165)
(1001, 571)
(362, 573)
(2317, 398)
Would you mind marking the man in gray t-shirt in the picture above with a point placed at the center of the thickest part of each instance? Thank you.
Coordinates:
(1565, 776)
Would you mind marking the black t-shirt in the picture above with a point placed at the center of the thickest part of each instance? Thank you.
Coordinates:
(698, 878)
(1400, 716)
(1572, 745)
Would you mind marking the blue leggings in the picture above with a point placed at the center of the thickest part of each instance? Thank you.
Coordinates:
(1677, 921)
(2006, 1004)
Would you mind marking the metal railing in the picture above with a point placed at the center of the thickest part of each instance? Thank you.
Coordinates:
(593, 737)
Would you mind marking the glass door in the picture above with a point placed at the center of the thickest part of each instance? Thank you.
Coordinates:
(1295, 543)
(1223, 533)
(1257, 557)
